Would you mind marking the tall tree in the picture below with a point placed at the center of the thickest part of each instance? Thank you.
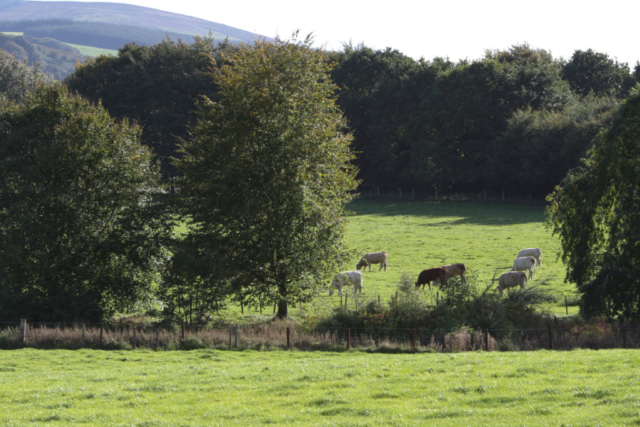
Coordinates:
(17, 78)
(267, 174)
(596, 213)
(590, 71)
(79, 235)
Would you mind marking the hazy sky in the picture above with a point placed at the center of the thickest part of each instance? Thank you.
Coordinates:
(457, 29)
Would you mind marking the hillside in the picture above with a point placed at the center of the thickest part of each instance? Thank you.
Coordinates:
(119, 14)
(54, 58)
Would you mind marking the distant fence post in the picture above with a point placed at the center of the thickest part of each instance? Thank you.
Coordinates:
(378, 299)
(236, 341)
(413, 338)
(346, 298)
(134, 337)
(230, 338)
(566, 306)
(340, 301)
(157, 338)
(83, 328)
(242, 307)
(624, 336)
(348, 338)
(396, 297)
(486, 339)
(550, 338)
(437, 298)
(183, 331)
(101, 332)
(288, 338)
(23, 332)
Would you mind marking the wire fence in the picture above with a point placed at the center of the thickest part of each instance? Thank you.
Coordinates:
(438, 195)
(287, 335)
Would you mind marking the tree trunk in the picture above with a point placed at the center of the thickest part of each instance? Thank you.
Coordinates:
(283, 311)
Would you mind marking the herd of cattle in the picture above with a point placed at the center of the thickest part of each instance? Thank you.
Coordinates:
(527, 260)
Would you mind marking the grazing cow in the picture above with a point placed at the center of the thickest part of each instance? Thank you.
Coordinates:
(524, 264)
(511, 279)
(432, 275)
(534, 252)
(373, 258)
(454, 270)
(347, 278)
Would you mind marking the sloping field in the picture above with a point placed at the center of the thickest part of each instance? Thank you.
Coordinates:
(94, 51)
(486, 237)
(208, 387)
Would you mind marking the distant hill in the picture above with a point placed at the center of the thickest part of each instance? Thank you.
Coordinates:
(54, 58)
(119, 14)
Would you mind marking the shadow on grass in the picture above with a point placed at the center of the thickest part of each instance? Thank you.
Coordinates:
(484, 213)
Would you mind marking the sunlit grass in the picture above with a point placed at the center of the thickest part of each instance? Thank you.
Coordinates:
(93, 51)
(210, 387)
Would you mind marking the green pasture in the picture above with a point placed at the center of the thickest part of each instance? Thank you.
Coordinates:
(485, 236)
(93, 51)
(209, 387)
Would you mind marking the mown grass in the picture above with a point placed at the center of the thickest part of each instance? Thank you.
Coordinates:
(209, 387)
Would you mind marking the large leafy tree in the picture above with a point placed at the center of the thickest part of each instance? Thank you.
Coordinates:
(267, 175)
(79, 235)
(596, 213)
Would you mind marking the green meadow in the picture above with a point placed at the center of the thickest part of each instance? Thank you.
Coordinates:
(485, 236)
(209, 387)
(94, 51)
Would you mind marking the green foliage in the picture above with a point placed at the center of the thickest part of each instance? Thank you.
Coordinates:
(539, 146)
(16, 78)
(590, 71)
(267, 175)
(79, 235)
(156, 86)
(596, 213)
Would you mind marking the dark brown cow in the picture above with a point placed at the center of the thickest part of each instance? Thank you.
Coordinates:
(431, 275)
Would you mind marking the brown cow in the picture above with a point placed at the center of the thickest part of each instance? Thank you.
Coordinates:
(431, 275)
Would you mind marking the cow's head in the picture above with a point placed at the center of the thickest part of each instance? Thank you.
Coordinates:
(361, 264)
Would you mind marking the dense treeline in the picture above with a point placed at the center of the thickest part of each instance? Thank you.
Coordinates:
(516, 120)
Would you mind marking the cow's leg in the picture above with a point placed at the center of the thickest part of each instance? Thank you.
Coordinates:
(382, 265)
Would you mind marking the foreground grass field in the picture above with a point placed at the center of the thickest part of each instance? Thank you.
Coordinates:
(208, 387)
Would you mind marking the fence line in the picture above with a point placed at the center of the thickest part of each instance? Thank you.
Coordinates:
(285, 335)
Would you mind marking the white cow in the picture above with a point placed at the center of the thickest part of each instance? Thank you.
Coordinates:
(511, 279)
(454, 270)
(534, 252)
(373, 258)
(524, 264)
(347, 278)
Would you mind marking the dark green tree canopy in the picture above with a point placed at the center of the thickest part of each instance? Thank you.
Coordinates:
(590, 71)
(267, 175)
(596, 213)
(156, 86)
(79, 236)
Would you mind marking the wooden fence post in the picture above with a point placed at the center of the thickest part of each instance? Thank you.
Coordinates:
(396, 297)
(378, 299)
(83, 335)
(566, 306)
(288, 338)
(23, 332)
(157, 338)
(486, 339)
(235, 345)
(348, 338)
(134, 337)
(242, 307)
(624, 336)
(550, 338)
(437, 298)
(183, 331)
(101, 332)
(346, 298)
(413, 338)
(230, 333)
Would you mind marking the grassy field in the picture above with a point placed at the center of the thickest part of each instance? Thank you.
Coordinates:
(208, 387)
(483, 236)
(486, 237)
(94, 51)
